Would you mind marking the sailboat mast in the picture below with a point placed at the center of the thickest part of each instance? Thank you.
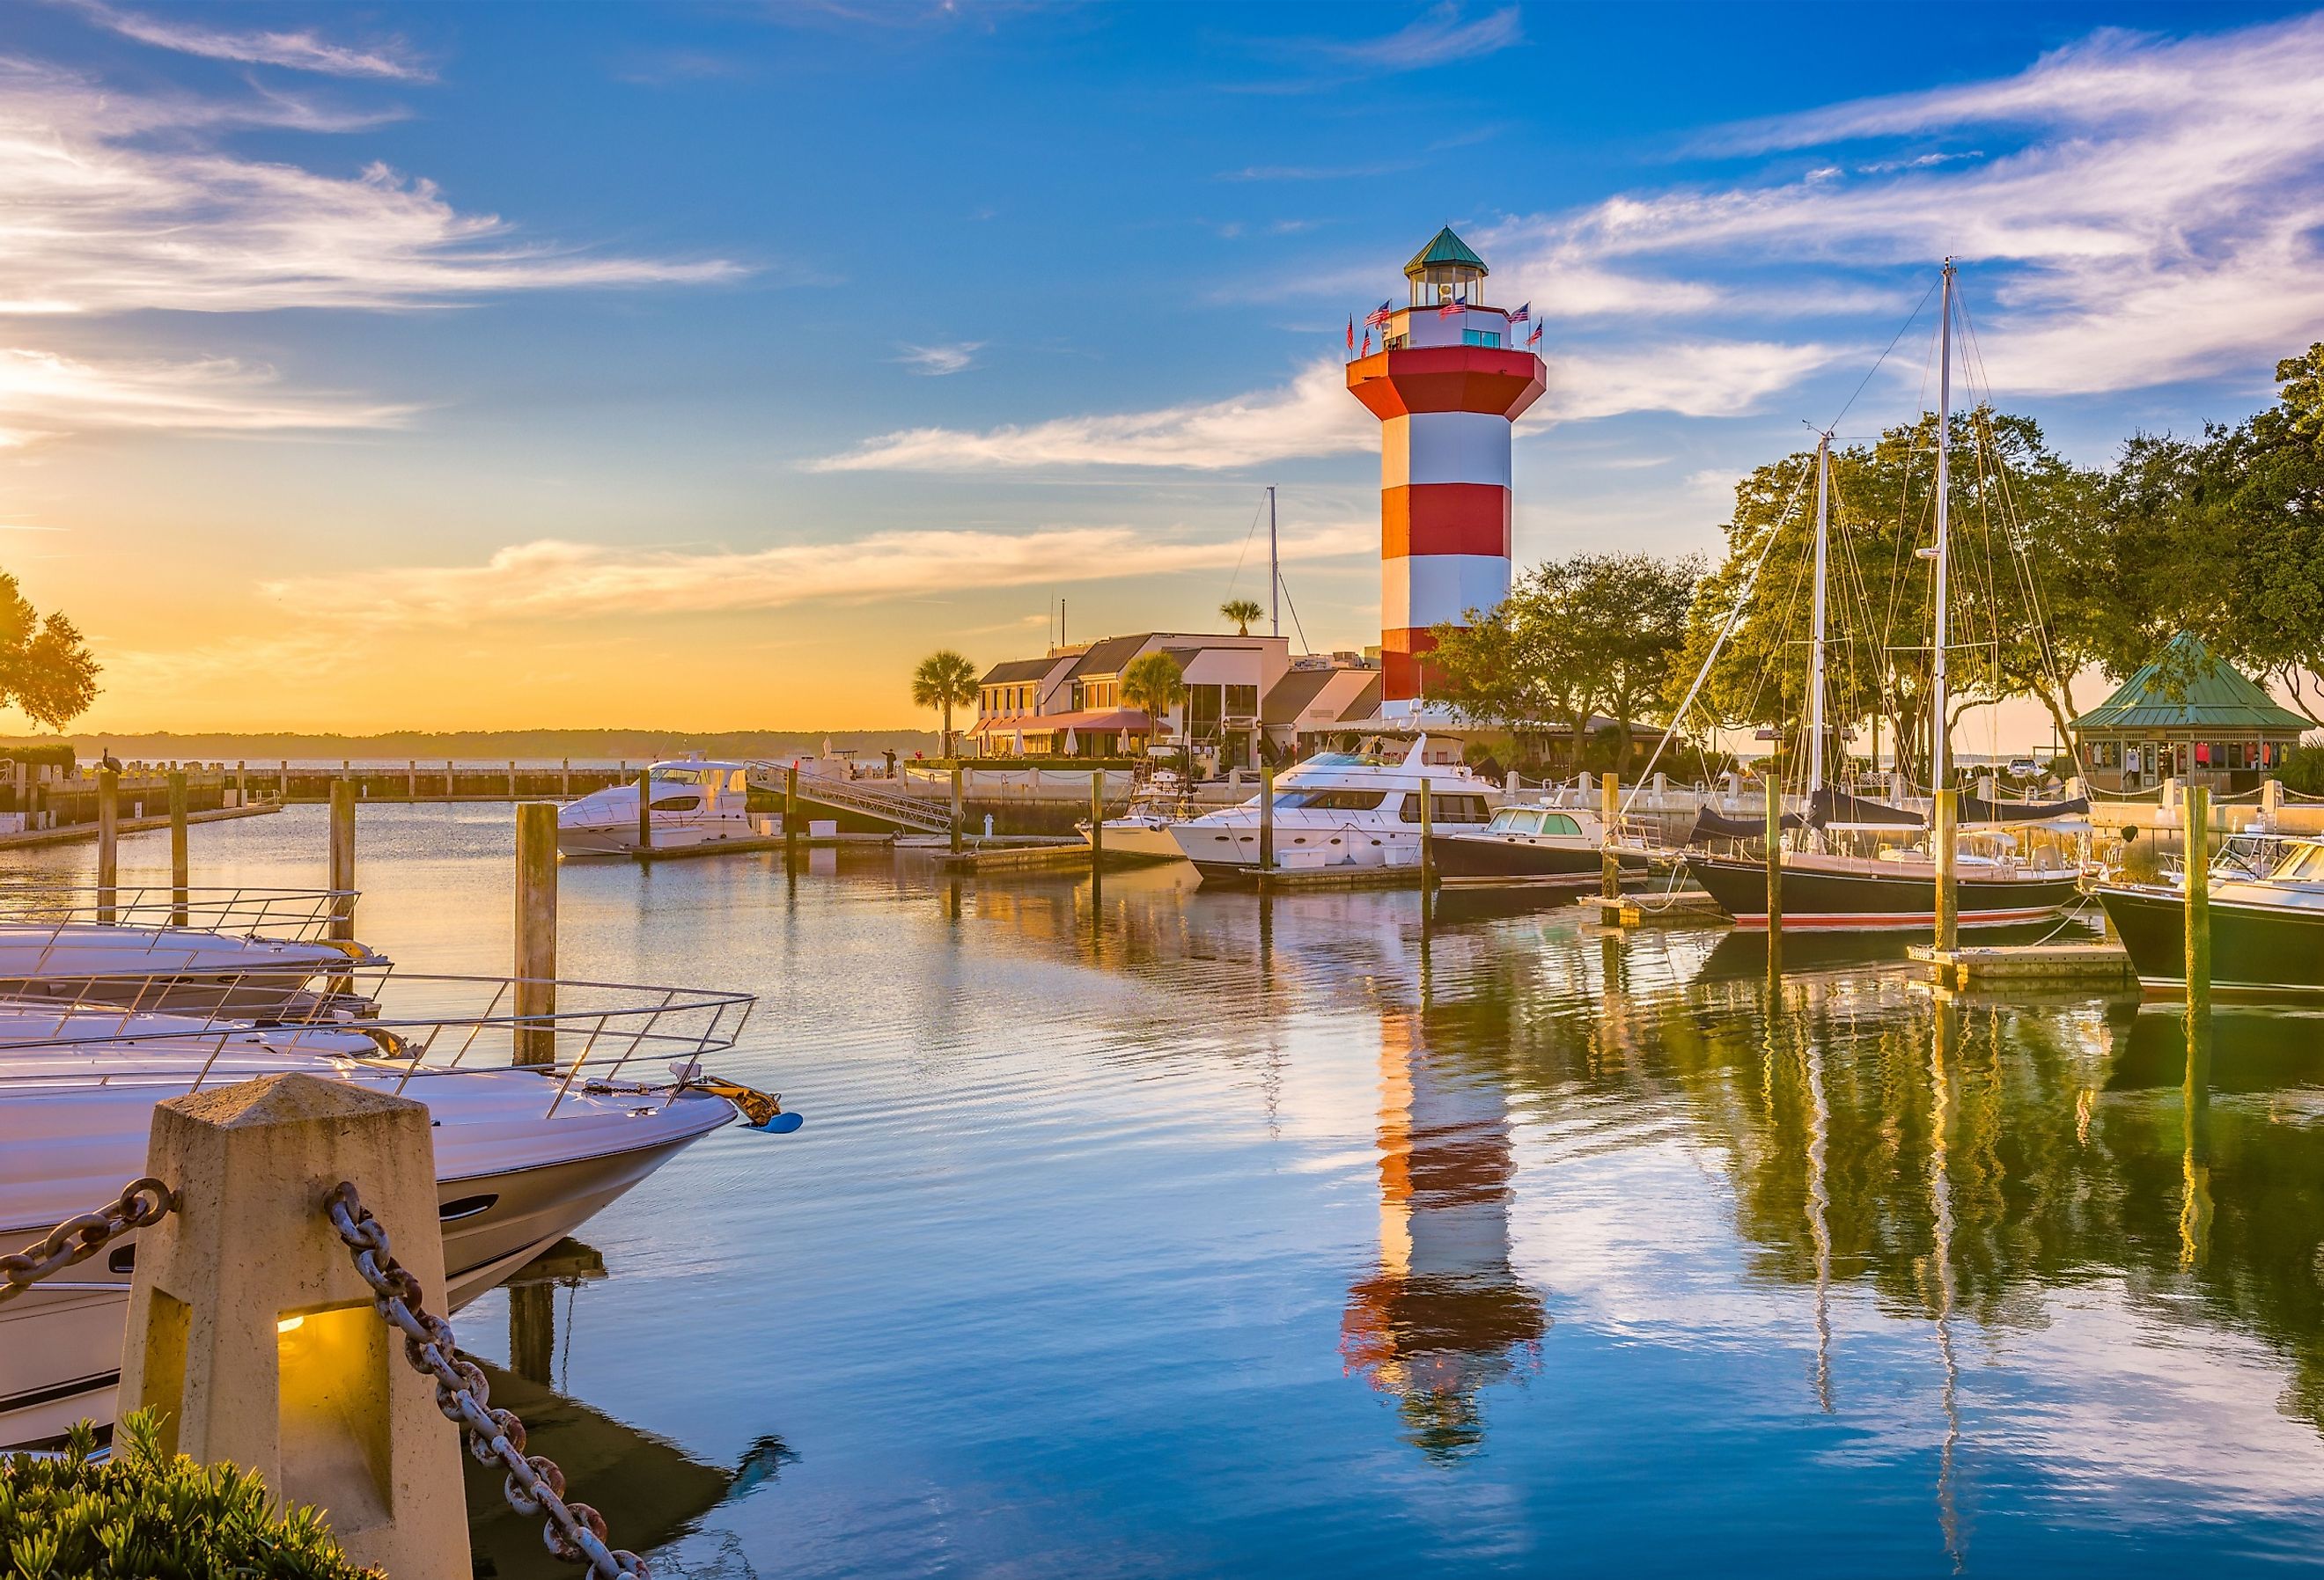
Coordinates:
(1274, 572)
(1940, 733)
(1816, 641)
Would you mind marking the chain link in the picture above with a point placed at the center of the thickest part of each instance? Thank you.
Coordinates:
(142, 1203)
(573, 1532)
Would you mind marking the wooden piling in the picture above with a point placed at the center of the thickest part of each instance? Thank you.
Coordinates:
(1609, 812)
(2199, 922)
(536, 929)
(1427, 862)
(512, 779)
(1097, 818)
(242, 782)
(645, 809)
(1266, 821)
(178, 876)
(108, 841)
(959, 805)
(1944, 821)
(791, 817)
(1774, 835)
(411, 779)
(564, 780)
(343, 858)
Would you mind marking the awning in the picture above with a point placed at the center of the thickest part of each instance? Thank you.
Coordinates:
(1130, 719)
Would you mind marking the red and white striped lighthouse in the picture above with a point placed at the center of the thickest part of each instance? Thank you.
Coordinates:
(1448, 380)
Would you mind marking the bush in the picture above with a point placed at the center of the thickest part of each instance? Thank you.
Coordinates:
(2303, 771)
(143, 1514)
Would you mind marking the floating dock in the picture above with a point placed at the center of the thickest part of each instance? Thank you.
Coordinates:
(2046, 965)
(1667, 908)
(1063, 855)
(79, 833)
(1300, 880)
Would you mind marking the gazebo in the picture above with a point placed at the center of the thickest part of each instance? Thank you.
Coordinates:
(2191, 715)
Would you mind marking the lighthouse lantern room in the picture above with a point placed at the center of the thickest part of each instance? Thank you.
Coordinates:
(1448, 380)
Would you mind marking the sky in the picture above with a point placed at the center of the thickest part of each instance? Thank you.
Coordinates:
(699, 367)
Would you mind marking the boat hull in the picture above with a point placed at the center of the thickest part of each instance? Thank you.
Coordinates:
(2257, 951)
(1838, 901)
(1469, 858)
(1144, 842)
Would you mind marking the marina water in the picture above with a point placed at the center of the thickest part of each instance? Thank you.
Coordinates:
(1182, 1233)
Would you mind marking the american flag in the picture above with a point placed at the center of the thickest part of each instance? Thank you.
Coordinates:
(1449, 307)
(1523, 315)
(1380, 314)
(1367, 343)
(1351, 332)
(1533, 338)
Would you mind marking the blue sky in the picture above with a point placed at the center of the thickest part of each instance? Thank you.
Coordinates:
(375, 366)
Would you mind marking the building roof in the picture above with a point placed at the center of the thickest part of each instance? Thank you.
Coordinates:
(1444, 247)
(1366, 702)
(2185, 687)
(1016, 669)
(1107, 656)
(1290, 696)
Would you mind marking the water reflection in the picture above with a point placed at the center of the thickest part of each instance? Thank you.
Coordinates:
(1445, 1314)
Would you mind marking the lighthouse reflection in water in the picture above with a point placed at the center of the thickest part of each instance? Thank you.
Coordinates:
(1446, 1316)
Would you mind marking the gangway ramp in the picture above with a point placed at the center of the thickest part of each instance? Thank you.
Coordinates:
(892, 807)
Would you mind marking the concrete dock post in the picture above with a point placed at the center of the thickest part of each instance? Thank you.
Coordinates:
(1943, 820)
(252, 1334)
(343, 858)
(1609, 812)
(512, 779)
(536, 929)
(959, 804)
(791, 817)
(2199, 921)
(283, 780)
(108, 841)
(564, 780)
(1266, 821)
(178, 876)
(411, 779)
(242, 782)
(645, 809)
(1774, 835)
(1097, 818)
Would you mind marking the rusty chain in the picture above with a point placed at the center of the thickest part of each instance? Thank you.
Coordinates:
(142, 1203)
(573, 1532)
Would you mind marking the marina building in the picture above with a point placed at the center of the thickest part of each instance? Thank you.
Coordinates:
(2188, 716)
(1069, 703)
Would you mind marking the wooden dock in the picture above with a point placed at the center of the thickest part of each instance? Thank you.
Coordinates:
(86, 833)
(1672, 908)
(1056, 856)
(2035, 966)
(1304, 880)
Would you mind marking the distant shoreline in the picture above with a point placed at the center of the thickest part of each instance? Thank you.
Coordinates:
(608, 746)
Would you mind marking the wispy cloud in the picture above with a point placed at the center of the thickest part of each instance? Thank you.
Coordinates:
(550, 579)
(99, 215)
(1312, 415)
(300, 50)
(1316, 172)
(42, 394)
(937, 361)
(1710, 378)
(1437, 38)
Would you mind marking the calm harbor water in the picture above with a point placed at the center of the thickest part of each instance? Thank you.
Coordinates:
(1178, 1234)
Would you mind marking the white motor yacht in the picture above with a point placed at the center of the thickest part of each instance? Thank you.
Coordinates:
(524, 1154)
(1143, 831)
(1340, 808)
(694, 802)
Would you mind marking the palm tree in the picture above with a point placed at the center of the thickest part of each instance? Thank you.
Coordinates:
(1153, 684)
(944, 679)
(1242, 612)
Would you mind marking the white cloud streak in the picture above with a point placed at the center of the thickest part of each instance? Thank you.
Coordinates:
(302, 51)
(552, 579)
(938, 361)
(43, 395)
(1437, 38)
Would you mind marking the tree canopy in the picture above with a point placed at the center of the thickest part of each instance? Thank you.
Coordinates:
(45, 668)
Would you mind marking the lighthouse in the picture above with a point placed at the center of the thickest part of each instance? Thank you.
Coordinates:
(1451, 376)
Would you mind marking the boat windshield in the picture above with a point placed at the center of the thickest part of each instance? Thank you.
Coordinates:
(1512, 820)
(1351, 760)
(2302, 864)
(1330, 800)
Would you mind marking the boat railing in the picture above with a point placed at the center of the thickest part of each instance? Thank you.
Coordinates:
(423, 1027)
(294, 915)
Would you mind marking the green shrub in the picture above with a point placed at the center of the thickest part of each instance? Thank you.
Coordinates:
(154, 1517)
(2303, 771)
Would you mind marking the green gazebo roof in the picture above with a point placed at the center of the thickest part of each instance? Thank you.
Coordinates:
(2186, 689)
(1444, 247)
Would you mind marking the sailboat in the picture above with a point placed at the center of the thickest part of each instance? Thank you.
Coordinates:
(1899, 887)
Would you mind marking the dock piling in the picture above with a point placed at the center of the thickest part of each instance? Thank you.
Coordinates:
(1610, 811)
(1943, 822)
(178, 863)
(1266, 822)
(1774, 842)
(959, 804)
(1425, 830)
(2198, 924)
(791, 815)
(108, 840)
(645, 809)
(536, 930)
(343, 858)
(1097, 820)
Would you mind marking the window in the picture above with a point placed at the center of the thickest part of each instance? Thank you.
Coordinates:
(1242, 702)
(1515, 820)
(1445, 809)
(1480, 336)
(1559, 823)
(1330, 800)
(677, 803)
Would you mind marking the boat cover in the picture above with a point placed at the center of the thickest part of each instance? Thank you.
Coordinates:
(1978, 809)
(1710, 825)
(1833, 809)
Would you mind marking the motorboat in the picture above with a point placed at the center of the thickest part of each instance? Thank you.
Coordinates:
(1541, 844)
(1143, 831)
(1894, 888)
(525, 1154)
(259, 955)
(694, 802)
(1358, 808)
(2267, 933)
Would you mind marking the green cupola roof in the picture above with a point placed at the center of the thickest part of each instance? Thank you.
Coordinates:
(2188, 689)
(1443, 248)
